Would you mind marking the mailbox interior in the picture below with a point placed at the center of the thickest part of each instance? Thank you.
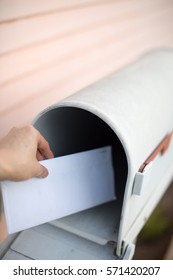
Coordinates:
(70, 130)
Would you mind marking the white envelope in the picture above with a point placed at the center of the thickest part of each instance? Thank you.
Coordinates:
(76, 182)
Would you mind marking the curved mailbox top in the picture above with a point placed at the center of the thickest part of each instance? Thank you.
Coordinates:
(136, 102)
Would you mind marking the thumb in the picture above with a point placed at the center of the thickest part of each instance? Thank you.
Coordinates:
(42, 171)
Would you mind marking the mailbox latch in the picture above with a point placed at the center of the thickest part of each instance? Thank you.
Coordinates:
(145, 169)
(160, 149)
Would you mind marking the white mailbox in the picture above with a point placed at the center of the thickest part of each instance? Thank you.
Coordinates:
(131, 111)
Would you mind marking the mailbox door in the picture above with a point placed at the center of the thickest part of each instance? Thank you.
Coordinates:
(86, 235)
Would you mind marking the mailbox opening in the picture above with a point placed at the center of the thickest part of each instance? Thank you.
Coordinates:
(70, 130)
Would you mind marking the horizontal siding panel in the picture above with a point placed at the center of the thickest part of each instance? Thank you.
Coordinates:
(15, 9)
(11, 10)
(42, 81)
(49, 53)
(64, 66)
(36, 30)
(54, 52)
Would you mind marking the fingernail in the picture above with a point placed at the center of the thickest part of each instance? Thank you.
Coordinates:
(43, 174)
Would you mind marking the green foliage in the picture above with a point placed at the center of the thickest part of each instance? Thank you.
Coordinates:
(156, 226)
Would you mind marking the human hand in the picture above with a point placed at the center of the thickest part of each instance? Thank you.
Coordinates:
(20, 152)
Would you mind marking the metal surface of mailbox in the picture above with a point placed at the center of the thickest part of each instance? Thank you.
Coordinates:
(132, 110)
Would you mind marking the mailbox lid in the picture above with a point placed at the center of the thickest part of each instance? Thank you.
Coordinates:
(73, 237)
(46, 242)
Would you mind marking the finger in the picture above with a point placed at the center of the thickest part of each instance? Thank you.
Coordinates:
(44, 147)
(42, 172)
(39, 156)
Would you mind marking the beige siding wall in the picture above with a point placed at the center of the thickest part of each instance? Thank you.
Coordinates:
(50, 49)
